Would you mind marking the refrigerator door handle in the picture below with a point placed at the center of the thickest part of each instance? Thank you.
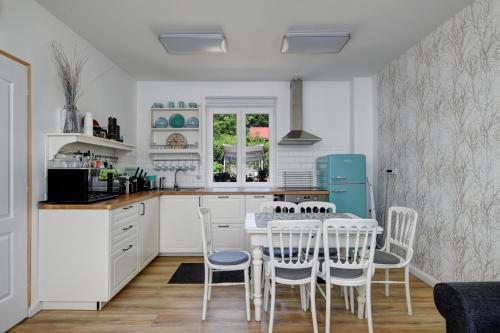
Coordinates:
(339, 177)
(339, 191)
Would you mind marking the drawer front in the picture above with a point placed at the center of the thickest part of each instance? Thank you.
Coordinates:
(124, 264)
(124, 215)
(225, 206)
(252, 202)
(120, 234)
(228, 236)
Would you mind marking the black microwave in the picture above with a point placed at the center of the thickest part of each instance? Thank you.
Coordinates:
(79, 185)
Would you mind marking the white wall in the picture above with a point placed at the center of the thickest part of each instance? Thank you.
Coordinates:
(326, 114)
(25, 31)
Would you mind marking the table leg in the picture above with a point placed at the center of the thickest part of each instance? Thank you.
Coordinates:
(257, 280)
(361, 302)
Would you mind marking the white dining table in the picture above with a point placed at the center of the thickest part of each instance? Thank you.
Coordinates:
(257, 235)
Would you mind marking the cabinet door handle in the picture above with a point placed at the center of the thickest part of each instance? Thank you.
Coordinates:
(223, 197)
(127, 228)
(339, 177)
(339, 191)
(223, 226)
(258, 196)
(125, 207)
(127, 248)
(143, 208)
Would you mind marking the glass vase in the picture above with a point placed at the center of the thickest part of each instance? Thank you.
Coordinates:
(71, 119)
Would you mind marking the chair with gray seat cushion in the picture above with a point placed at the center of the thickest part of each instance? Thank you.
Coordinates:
(221, 261)
(398, 249)
(299, 237)
(357, 238)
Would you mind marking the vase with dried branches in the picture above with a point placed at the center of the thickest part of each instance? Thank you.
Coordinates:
(69, 69)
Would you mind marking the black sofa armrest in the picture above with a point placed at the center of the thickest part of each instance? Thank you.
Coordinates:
(469, 307)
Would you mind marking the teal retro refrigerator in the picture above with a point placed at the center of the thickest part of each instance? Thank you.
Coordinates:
(344, 176)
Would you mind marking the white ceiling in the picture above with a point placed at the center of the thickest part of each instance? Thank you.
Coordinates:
(127, 32)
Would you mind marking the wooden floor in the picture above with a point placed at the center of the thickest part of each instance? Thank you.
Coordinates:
(149, 304)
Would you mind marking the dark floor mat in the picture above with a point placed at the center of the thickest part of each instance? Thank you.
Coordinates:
(189, 273)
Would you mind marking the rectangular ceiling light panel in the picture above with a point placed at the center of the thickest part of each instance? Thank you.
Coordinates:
(314, 42)
(193, 43)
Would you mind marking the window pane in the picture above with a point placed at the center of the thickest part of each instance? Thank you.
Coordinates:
(257, 148)
(225, 148)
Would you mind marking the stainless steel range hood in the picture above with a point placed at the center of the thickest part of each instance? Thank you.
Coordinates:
(297, 136)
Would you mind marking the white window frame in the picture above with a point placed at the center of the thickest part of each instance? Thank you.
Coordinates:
(241, 106)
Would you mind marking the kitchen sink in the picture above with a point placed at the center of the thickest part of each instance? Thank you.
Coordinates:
(182, 189)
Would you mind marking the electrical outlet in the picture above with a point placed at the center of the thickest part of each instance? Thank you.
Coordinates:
(394, 171)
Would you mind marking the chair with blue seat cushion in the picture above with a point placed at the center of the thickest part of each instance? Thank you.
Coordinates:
(400, 234)
(469, 307)
(300, 235)
(357, 237)
(221, 261)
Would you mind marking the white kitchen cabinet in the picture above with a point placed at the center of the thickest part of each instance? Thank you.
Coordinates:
(87, 255)
(252, 202)
(228, 217)
(149, 230)
(180, 229)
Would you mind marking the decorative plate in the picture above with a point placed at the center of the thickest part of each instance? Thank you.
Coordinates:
(177, 121)
(192, 122)
(176, 140)
(161, 122)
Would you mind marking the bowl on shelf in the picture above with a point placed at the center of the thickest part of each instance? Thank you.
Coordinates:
(193, 122)
(193, 105)
(157, 105)
(177, 121)
(161, 122)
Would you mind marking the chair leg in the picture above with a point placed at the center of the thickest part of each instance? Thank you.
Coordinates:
(351, 295)
(273, 298)
(407, 287)
(328, 291)
(346, 298)
(247, 293)
(266, 294)
(302, 297)
(313, 306)
(368, 307)
(210, 274)
(386, 285)
(205, 295)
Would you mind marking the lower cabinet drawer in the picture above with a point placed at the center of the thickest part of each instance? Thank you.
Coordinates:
(228, 236)
(124, 264)
(124, 232)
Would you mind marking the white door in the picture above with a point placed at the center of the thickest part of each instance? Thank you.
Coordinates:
(13, 193)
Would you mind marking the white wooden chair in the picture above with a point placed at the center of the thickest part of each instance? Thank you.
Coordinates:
(221, 261)
(301, 270)
(317, 207)
(278, 207)
(400, 234)
(352, 266)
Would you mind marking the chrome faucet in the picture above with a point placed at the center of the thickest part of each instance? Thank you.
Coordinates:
(176, 186)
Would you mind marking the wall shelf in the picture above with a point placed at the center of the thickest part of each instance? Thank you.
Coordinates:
(172, 129)
(174, 151)
(56, 141)
(176, 109)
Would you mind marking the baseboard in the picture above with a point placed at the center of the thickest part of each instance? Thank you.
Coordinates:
(430, 280)
(34, 309)
(70, 305)
(180, 254)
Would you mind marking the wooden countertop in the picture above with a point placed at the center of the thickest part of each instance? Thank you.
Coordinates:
(126, 199)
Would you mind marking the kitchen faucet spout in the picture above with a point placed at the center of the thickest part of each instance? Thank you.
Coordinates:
(176, 185)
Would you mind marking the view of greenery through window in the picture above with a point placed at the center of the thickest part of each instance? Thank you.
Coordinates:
(225, 145)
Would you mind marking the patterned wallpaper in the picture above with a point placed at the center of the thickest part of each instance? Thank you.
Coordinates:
(439, 124)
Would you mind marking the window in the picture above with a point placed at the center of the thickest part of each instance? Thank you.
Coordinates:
(240, 144)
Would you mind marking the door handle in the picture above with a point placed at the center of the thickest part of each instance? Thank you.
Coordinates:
(223, 226)
(339, 191)
(339, 177)
(127, 248)
(127, 228)
(258, 196)
(223, 197)
(143, 208)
